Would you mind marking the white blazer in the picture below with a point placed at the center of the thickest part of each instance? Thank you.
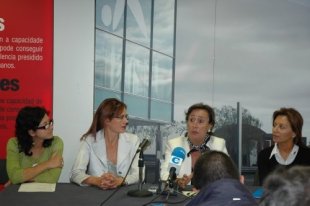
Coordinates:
(92, 158)
(215, 143)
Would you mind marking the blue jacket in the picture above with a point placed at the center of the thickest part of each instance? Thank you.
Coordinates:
(224, 192)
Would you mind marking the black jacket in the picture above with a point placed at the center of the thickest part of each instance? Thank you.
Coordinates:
(266, 165)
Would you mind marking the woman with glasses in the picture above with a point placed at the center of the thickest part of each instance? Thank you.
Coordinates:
(35, 154)
(106, 150)
(200, 119)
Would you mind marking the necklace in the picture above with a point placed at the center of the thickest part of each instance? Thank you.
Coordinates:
(202, 148)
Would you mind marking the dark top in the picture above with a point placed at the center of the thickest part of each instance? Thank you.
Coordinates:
(224, 192)
(266, 165)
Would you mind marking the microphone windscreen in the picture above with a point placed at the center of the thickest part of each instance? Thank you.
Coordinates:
(143, 145)
(177, 157)
(179, 152)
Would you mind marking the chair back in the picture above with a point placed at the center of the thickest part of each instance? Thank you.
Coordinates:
(3, 173)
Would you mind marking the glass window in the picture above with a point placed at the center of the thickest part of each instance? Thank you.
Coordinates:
(163, 28)
(139, 21)
(101, 94)
(137, 70)
(124, 72)
(110, 15)
(137, 106)
(161, 111)
(162, 77)
(108, 61)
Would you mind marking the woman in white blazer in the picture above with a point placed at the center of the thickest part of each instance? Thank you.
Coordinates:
(200, 119)
(106, 151)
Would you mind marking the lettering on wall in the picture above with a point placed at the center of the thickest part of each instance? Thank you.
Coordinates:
(26, 60)
(2, 27)
(9, 85)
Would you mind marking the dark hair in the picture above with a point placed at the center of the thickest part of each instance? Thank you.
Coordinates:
(287, 187)
(295, 119)
(205, 107)
(108, 109)
(212, 166)
(29, 118)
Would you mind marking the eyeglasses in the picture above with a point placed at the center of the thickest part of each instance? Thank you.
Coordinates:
(48, 125)
(122, 116)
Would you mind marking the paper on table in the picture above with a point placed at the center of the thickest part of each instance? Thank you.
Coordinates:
(189, 193)
(37, 187)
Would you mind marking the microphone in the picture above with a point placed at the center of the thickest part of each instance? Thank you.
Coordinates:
(177, 157)
(140, 192)
(143, 145)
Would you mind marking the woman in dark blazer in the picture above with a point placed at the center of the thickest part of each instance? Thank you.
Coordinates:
(288, 149)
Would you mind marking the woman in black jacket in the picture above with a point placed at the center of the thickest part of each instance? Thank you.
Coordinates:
(288, 149)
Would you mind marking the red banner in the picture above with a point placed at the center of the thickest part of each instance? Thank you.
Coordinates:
(26, 60)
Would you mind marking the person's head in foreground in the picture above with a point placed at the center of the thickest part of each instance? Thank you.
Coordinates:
(219, 182)
(287, 187)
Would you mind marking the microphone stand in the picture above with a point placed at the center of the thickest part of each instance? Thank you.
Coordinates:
(140, 192)
(170, 184)
(119, 187)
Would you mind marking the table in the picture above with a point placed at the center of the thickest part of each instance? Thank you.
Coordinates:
(67, 194)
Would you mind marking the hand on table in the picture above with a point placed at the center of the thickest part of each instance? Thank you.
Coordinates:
(110, 181)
